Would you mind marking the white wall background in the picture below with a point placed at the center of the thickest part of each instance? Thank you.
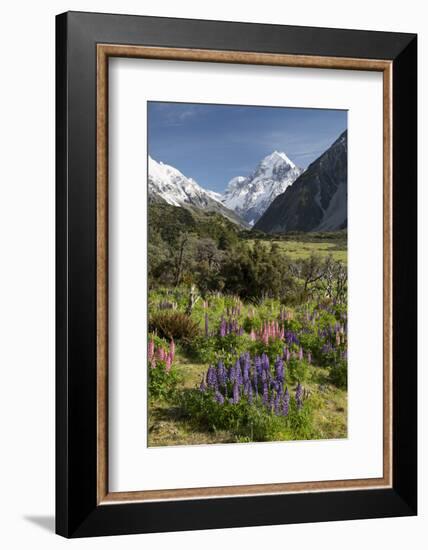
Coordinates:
(27, 272)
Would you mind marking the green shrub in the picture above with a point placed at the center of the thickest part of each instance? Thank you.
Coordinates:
(310, 342)
(173, 324)
(162, 383)
(213, 348)
(338, 374)
(297, 371)
(273, 349)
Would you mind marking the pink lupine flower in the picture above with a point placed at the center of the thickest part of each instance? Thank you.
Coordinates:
(172, 349)
(300, 354)
(160, 353)
(252, 335)
(168, 362)
(309, 357)
(337, 338)
(151, 350)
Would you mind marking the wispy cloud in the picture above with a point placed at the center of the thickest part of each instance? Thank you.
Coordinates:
(168, 114)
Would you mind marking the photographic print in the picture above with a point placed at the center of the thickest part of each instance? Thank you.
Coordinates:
(247, 274)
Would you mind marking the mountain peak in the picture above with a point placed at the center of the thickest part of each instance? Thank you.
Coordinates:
(250, 196)
(280, 155)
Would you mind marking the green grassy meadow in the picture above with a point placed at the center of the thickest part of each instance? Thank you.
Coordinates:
(298, 250)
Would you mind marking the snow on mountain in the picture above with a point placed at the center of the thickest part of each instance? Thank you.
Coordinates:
(214, 195)
(170, 185)
(251, 196)
(167, 184)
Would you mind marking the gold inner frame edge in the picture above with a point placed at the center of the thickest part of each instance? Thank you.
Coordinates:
(104, 51)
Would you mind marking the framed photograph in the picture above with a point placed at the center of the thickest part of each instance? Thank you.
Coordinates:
(236, 274)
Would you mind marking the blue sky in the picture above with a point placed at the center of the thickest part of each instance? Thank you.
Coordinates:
(214, 143)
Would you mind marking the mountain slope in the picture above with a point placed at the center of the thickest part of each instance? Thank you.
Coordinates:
(168, 185)
(251, 196)
(317, 200)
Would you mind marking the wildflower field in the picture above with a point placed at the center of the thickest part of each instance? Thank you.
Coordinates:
(246, 341)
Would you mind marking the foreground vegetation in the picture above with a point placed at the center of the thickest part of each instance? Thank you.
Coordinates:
(247, 341)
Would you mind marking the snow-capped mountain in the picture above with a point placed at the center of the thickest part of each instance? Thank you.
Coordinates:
(251, 196)
(169, 185)
(318, 200)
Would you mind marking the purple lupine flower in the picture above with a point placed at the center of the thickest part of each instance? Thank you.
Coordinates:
(238, 372)
(221, 374)
(327, 348)
(256, 388)
(265, 362)
(219, 398)
(250, 394)
(202, 386)
(257, 366)
(285, 402)
(206, 325)
(279, 370)
(212, 381)
(265, 368)
(246, 365)
(291, 338)
(235, 392)
(299, 396)
(255, 377)
(276, 403)
(265, 397)
(232, 374)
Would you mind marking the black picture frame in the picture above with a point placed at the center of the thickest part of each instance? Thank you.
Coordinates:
(77, 511)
